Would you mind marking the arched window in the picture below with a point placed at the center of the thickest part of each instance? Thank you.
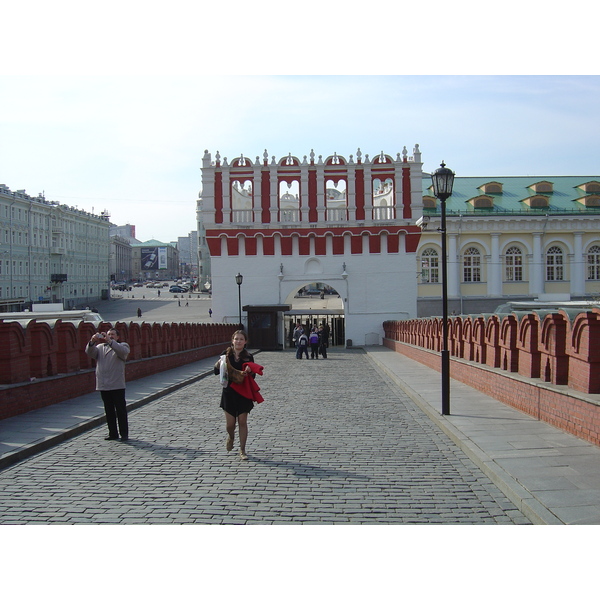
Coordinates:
(554, 264)
(383, 199)
(471, 265)
(430, 266)
(514, 264)
(593, 263)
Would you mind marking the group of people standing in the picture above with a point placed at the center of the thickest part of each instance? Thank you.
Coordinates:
(317, 339)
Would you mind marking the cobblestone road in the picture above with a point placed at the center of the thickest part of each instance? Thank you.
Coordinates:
(334, 442)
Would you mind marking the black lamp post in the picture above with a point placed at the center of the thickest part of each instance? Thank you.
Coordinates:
(238, 279)
(442, 180)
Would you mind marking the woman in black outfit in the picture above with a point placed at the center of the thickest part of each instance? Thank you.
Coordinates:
(235, 406)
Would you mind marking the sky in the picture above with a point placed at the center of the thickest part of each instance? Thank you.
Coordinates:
(113, 110)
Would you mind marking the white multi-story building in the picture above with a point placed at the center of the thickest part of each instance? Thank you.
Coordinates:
(188, 254)
(346, 224)
(50, 252)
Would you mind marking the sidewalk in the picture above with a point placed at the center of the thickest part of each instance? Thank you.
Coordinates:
(551, 476)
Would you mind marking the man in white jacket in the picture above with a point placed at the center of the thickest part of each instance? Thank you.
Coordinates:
(110, 357)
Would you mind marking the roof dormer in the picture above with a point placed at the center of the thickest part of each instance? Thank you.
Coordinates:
(542, 187)
(537, 201)
(429, 202)
(482, 201)
(590, 201)
(590, 187)
(492, 187)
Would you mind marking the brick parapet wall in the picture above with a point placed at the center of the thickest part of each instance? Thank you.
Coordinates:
(59, 369)
(549, 363)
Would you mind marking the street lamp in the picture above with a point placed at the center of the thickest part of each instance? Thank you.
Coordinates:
(442, 180)
(238, 279)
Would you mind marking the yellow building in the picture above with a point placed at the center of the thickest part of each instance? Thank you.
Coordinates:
(510, 238)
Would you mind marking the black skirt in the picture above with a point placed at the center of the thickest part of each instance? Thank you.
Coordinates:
(232, 402)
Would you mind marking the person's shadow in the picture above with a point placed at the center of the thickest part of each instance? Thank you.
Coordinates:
(167, 452)
(305, 470)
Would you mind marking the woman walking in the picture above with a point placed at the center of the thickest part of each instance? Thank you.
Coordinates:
(236, 406)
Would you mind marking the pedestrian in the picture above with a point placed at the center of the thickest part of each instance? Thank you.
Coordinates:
(236, 406)
(139, 313)
(314, 343)
(210, 312)
(302, 346)
(323, 341)
(298, 331)
(110, 356)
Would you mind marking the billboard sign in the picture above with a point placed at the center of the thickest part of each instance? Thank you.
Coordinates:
(162, 258)
(154, 259)
(149, 258)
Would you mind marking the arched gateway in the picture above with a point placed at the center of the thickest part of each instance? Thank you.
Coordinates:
(344, 223)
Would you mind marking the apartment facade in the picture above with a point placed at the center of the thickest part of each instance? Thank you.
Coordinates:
(50, 252)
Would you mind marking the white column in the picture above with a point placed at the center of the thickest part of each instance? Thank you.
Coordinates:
(494, 270)
(453, 267)
(351, 193)
(536, 266)
(578, 265)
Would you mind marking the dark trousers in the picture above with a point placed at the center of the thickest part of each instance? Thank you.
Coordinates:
(116, 412)
(314, 350)
(302, 350)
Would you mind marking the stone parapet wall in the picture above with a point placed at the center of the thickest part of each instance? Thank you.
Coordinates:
(545, 364)
(41, 365)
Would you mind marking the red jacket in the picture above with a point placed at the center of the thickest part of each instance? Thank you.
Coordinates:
(249, 388)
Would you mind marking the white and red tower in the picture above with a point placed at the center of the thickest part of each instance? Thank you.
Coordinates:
(284, 223)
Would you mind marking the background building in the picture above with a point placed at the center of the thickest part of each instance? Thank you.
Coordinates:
(120, 259)
(511, 238)
(50, 252)
(188, 254)
(154, 260)
(126, 232)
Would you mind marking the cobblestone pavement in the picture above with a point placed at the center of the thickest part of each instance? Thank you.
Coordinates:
(335, 442)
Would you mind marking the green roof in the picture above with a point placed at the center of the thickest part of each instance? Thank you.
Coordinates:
(150, 244)
(564, 197)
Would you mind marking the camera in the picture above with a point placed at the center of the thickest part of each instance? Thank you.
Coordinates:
(422, 222)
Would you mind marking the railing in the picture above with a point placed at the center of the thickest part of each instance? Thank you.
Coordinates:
(337, 214)
(241, 215)
(289, 215)
(383, 213)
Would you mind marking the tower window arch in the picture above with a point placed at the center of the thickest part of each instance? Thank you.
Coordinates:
(383, 199)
